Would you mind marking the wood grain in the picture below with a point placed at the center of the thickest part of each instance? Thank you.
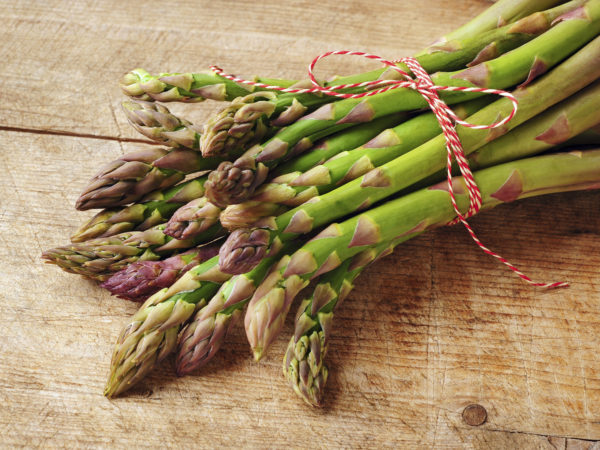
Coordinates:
(429, 330)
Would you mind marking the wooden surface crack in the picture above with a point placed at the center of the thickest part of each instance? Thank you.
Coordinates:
(73, 134)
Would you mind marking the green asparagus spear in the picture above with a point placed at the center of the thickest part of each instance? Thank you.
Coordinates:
(522, 65)
(188, 87)
(403, 218)
(154, 209)
(330, 146)
(100, 258)
(156, 122)
(131, 177)
(203, 336)
(151, 334)
(303, 363)
(293, 189)
(481, 41)
(228, 128)
(402, 172)
(503, 11)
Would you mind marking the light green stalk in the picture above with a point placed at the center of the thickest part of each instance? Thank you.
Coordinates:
(575, 73)
(200, 340)
(151, 334)
(295, 188)
(304, 361)
(503, 11)
(521, 65)
(188, 87)
(403, 218)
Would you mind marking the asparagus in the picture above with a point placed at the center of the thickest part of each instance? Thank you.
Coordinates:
(141, 279)
(129, 178)
(503, 11)
(100, 258)
(151, 334)
(188, 87)
(303, 363)
(293, 189)
(154, 209)
(230, 179)
(203, 336)
(521, 65)
(402, 172)
(196, 87)
(193, 218)
(480, 41)
(554, 128)
(156, 122)
(330, 146)
(403, 218)
(284, 109)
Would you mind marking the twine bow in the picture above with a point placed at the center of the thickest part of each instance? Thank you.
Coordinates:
(447, 119)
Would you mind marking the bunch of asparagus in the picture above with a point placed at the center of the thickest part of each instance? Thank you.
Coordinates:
(280, 189)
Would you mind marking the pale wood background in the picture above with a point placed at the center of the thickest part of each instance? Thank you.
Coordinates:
(429, 330)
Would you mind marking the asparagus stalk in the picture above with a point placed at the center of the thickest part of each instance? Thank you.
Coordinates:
(482, 41)
(554, 127)
(192, 219)
(156, 122)
(331, 145)
(153, 209)
(401, 219)
(521, 65)
(129, 178)
(203, 336)
(286, 108)
(151, 334)
(293, 189)
(141, 279)
(100, 258)
(188, 87)
(502, 12)
(303, 363)
(196, 87)
(402, 172)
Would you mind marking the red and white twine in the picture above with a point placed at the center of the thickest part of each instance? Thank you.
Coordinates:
(447, 119)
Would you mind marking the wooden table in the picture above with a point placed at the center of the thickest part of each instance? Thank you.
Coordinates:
(428, 331)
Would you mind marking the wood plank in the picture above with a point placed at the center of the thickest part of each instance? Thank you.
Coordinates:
(429, 330)
(62, 60)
